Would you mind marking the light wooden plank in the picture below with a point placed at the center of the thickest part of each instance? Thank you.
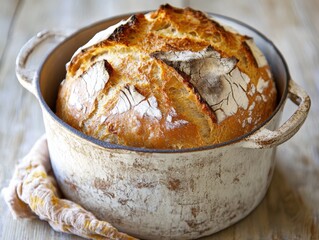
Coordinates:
(7, 11)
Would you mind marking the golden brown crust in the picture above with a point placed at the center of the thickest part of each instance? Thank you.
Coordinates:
(155, 88)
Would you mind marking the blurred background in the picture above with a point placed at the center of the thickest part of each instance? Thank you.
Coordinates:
(290, 209)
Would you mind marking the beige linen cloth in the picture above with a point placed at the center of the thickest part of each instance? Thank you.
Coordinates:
(33, 193)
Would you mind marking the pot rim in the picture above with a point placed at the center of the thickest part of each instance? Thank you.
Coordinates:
(107, 145)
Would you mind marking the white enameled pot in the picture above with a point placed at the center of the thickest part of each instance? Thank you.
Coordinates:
(160, 194)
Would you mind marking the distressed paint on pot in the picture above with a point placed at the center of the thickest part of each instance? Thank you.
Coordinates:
(161, 194)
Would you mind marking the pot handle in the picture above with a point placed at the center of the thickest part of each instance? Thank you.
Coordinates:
(25, 74)
(265, 138)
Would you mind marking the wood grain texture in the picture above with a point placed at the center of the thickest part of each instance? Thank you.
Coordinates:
(7, 16)
(289, 210)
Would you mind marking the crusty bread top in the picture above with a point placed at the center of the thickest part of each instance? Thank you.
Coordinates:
(173, 78)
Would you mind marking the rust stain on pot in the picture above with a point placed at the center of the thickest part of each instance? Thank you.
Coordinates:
(101, 183)
(218, 175)
(123, 201)
(236, 180)
(141, 165)
(104, 186)
(192, 185)
(117, 221)
(174, 184)
(194, 211)
(241, 208)
(71, 185)
(145, 185)
(194, 224)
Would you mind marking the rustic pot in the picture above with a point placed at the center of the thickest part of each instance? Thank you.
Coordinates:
(160, 194)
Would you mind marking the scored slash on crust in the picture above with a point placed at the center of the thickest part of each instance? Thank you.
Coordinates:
(219, 82)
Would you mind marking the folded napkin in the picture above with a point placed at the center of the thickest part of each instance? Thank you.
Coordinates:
(33, 193)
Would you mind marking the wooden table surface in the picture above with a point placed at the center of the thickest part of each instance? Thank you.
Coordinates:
(290, 209)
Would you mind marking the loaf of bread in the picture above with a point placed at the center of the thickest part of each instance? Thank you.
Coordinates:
(170, 79)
